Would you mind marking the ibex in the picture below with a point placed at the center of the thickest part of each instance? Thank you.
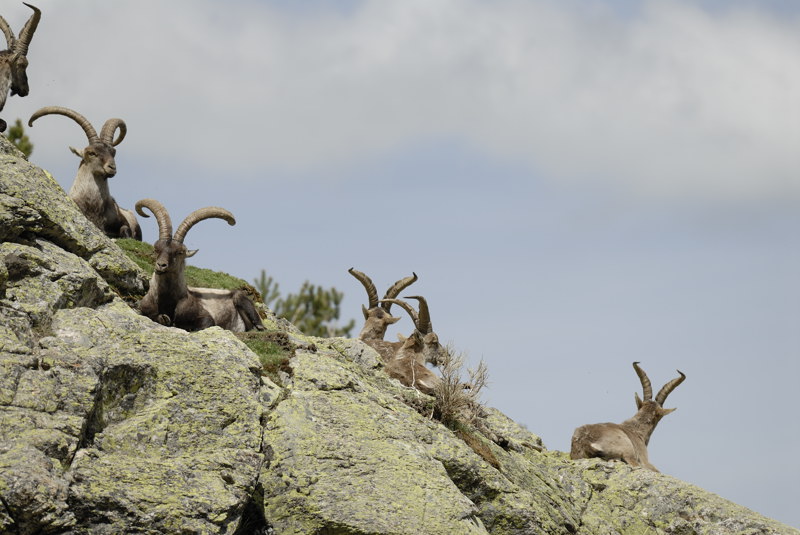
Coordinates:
(90, 188)
(170, 301)
(405, 360)
(626, 441)
(377, 317)
(14, 61)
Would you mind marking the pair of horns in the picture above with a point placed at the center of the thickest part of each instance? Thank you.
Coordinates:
(106, 133)
(647, 387)
(165, 224)
(391, 293)
(422, 321)
(20, 45)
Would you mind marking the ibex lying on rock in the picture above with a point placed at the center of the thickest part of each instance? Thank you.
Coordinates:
(170, 301)
(90, 188)
(626, 441)
(377, 317)
(14, 61)
(405, 360)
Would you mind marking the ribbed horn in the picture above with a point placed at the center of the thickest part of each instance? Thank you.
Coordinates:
(647, 388)
(162, 217)
(407, 307)
(26, 34)
(91, 133)
(195, 217)
(109, 127)
(372, 293)
(667, 389)
(424, 326)
(8, 33)
(398, 287)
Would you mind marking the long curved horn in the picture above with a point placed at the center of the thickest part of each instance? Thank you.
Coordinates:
(372, 293)
(647, 388)
(424, 325)
(82, 121)
(8, 33)
(200, 215)
(109, 127)
(398, 287)
(407, 307)
(667, 389)
(162, 217)
(26, 34)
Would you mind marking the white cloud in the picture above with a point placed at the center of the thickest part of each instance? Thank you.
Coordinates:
(671, 101)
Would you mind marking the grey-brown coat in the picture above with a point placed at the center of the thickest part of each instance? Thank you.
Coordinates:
(90, 188)
(14, 60)
(626, 441)
(170, 301)
(405, 360)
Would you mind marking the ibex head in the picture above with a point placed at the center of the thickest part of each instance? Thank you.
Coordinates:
(650, 412)
(423, 339)
(98, 156)
(170, 252)
(377, 317)
(18, 50)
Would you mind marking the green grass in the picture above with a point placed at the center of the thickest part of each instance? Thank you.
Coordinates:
(142, 254)
(273, 349)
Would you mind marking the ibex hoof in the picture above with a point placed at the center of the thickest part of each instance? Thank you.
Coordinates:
(163, 319)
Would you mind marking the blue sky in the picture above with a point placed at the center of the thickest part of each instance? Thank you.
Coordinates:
(576, 187)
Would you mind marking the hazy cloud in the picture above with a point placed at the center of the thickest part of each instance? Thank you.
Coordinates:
(669, 100)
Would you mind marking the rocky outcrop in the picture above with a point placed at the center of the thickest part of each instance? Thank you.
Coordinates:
(110, 423)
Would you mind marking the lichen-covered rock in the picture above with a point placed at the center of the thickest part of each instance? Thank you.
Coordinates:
(33, 204)
(629, 500)
(111, 423)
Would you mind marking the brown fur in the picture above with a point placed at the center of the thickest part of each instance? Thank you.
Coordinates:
(627, 441)
(377, 317)
(90, 189)
(14, 61)
(170, 301)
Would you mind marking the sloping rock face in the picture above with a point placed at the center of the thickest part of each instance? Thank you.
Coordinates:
(110, 423)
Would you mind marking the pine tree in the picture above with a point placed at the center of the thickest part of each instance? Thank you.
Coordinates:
(17, 136)
(314, 309)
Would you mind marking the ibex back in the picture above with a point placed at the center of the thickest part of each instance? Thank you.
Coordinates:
(626, 441)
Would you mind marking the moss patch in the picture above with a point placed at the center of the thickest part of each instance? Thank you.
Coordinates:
(274, 349)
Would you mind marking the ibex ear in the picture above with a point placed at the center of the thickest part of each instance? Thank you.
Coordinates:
(76, 152)
(638, 401)
(392, 320)
(365, 311)
(664, 412)
(191, 252)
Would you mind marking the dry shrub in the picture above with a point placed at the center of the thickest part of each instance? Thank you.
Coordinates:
(458, 401)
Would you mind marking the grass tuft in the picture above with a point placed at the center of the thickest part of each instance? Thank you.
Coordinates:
(274, 350)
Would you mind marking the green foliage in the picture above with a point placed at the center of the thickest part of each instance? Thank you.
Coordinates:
(17, 136)
(268, 288)
(273, 350)
(314, 309)
(140, 252)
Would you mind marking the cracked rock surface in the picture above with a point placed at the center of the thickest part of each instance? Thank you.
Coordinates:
(111, 423)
